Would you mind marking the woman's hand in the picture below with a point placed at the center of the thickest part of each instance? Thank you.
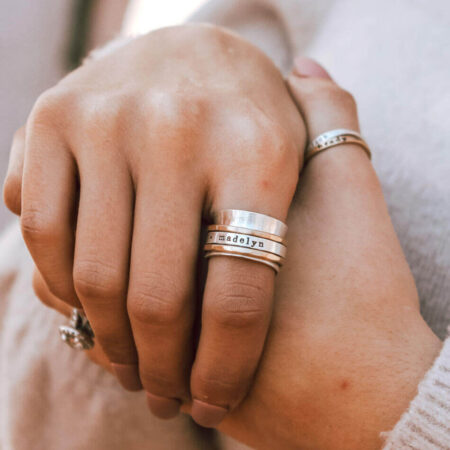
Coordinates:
(119, 163)
(347, 345)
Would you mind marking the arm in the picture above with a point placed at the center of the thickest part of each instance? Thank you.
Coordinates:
(347, 346)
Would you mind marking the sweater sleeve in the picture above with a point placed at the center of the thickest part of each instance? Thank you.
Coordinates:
(426, 423)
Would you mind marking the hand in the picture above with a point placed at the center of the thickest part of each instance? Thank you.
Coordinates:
(121, 160)
(347, 345)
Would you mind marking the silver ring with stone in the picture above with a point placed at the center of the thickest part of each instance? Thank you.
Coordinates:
(78, 333)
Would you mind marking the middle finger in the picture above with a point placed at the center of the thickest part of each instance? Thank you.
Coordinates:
(161, 289)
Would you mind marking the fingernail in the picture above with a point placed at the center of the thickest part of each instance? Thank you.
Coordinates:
(307, 67)
(163, 407)
(207, 415)
(128, 376)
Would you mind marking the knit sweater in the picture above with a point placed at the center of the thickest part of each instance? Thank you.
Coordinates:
(389, 54)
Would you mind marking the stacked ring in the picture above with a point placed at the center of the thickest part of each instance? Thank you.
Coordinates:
(247, 235)
(334, 138)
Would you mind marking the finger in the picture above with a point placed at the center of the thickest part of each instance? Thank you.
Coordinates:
(49, 199)
(13, 182)
(326, 106)
(237, 306)
(161, 289)
(101, 263)
(323, 104)
(47, 298)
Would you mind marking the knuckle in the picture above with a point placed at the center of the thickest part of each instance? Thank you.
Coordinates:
(12, 189)
(212, 384)
(238, 305)
(345, 99)
(50, 107)
(161, 381)
(97, 280)
(277, 152)
(36, 225)
(267, 143)
(175, 108)
(332, 94)
(100, 112)
(156, 300)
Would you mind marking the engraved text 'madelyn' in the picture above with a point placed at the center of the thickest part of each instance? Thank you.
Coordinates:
(246, 240)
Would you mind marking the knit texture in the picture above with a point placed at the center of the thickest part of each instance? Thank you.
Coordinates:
(426, 424)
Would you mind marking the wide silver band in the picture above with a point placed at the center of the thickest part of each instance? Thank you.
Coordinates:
(252, 221)
(246, 241)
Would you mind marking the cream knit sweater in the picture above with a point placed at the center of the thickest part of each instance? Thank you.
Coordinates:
(393, 56)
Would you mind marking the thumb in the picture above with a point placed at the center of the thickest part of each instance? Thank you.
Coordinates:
(323, 104)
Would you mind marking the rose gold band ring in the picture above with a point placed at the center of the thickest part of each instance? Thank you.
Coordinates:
(247, 235)
(333, 138)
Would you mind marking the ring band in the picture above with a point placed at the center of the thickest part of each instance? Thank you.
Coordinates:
(274, 266)
(247, 235)
(324, 137)
(245, 251)
(246, 241)
(333, 138)
(252, 221)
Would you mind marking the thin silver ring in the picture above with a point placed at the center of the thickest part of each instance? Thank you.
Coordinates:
(274, 266)
(246, 241)
(324, 137)
(334, 138)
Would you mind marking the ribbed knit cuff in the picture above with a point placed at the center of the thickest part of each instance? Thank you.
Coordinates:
(426, 423)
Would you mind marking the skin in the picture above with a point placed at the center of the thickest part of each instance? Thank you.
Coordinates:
(112, 176)
(347, 345)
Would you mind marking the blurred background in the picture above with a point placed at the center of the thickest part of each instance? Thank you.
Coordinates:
(41, 40)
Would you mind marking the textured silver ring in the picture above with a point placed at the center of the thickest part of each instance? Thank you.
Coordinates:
(334, 138)
(325, 137)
